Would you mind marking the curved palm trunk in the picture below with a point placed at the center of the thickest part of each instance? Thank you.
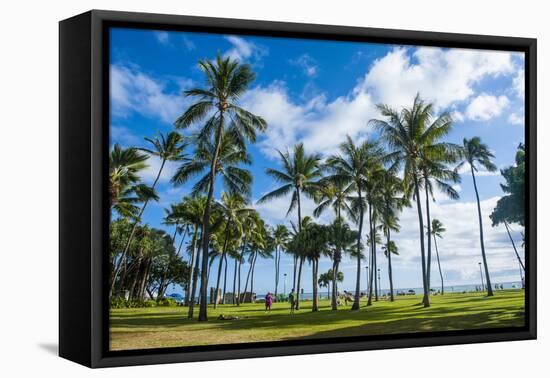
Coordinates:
(195, 283)
(239, 272)
(488, 279)
(298, 281)
(315, 304)
(216, 297)
(163, 285)
(426, 298)
(203, 315)
(122, 259)
(224, 277)
(390, 275)
(252, 275)
(428, 233)
(439, 266)
(192, 266)
(249, 272)
(514, 245)
(357, 295)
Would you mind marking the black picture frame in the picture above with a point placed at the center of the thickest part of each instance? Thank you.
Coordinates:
(83, 196)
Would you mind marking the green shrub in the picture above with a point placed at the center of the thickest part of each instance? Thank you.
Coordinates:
(118, 302)
(166, 302)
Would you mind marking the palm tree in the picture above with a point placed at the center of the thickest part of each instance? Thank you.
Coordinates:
(373, 239)
(434, 173)
(325, 280)
(353, 168)
(226, 81)
(340, 241)
(475, 153)
(124, 188)
(280, 237)
(437, 231)
(299, 175)
(334, 194)
(390, 248)
(167, 148)
(232, 209)
(392, 203)
(413, 137)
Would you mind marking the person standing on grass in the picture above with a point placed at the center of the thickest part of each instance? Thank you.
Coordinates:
(292, 301)
(268, 301)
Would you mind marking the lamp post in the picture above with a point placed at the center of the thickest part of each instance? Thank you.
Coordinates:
(481, 275)
(379, 284)
(284, 283)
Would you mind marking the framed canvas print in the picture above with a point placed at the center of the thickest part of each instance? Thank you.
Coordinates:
(233, 188)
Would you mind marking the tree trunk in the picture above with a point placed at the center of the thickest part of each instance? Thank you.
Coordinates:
(252, 276)
(300, 264)
(488, 279)
(195, 282)
(235, 281)
(248, 274)
(357, 295)
(203, 315)
(276, 270)
(315, 302)
(426, 298)
(428, 233)
(295, 268)
(392, 298)
(371, 262)
(224, 277)
(376, 273)
(132, 233)
(514, 245)
(439, 265)
(334, 299)
(192, 266)
(220, 265)
(239, 271)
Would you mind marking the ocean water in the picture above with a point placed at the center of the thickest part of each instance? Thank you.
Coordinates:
(418, 290)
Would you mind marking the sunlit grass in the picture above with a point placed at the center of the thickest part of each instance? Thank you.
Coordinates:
(169, 327)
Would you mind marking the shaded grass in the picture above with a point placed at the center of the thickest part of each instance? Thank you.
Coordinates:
(169, 327)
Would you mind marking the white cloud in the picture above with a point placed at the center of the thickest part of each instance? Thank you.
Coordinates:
(518, 84)
(457, 116)
(442, 76)
(162, 37)
(308, 64)
(516, 118)
(188, 43)
(244, 50)
(485, 106)
(150, 173)
(320, 124)
(124, 136)
(134, 91)
(465, 170)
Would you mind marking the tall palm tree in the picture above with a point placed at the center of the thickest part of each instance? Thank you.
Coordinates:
(434, 172)
(167, 148)
(352, 167)
(232, 209)
(341, 240)
(334, 194)
(280, 237)
(313, 244)
(437, 231)
(300, 174)
(390, 248)
(218, 101)
(392, 203)
(477, 154)
(413, 136)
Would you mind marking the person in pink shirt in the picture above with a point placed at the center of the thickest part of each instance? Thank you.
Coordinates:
(268, 302)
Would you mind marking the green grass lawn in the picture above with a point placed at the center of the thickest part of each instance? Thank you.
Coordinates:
(169, 327)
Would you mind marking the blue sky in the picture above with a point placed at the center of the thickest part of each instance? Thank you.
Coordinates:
(317, 92)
